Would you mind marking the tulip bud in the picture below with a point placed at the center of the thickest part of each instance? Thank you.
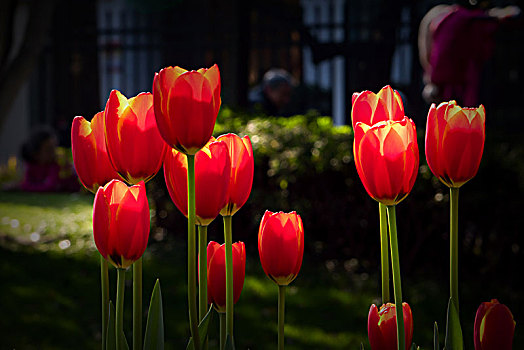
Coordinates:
(494, 327)
(382, 326)
(216, 273)
(121, 222)
(281, 246)
(242, 169)
(134, 144)
(455, 142)
(186, 106)
(89, 150)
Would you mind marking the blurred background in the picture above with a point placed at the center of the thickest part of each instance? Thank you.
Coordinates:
(59, 59)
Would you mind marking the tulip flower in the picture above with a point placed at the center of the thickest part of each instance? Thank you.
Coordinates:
(90, 157)
(386, 157)
(382, 330)
(216, 273)
(242, 169)
(186, 106)
(494, 327)
(134, 144)
(121, 222)
(281, 246)
(212, 172)
(370, 108)
(454, 142)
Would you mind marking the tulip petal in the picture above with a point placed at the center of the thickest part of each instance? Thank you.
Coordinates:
(494, 327)
(101, 222)
(376, 340)
(393, 103)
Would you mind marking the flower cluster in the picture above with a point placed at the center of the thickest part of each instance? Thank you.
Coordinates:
(124, 146)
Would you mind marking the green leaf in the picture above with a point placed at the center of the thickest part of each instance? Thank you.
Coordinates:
(202, 329)
(413, 346)
(453, 331)
(111, 340)
(361, 346)
(436, 341)
(230, 343)
(154, 337)
(125, 345)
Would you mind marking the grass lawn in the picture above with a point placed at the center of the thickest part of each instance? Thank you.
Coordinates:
(50, 287)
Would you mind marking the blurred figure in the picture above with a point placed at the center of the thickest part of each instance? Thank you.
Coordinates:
(454, 43)
(43, 172)
(273, 95)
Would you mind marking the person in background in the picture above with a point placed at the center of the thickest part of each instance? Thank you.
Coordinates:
(454, 43)
(43, 172)
(273, 95)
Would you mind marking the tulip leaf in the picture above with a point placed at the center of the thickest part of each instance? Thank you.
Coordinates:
(230, 344)
(202, 329)
(111, 340)
(125, 345)
(361, 346)
(111, 325)
(453, 330)
(154, 337)
(436, 341)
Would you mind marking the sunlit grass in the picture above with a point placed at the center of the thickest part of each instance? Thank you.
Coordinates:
(47, 222)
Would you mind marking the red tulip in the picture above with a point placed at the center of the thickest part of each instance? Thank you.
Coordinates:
(90, 157)
(382, 326)
(212, 172)
(494, 327)
(455, 141)
(386, 157)
(242, 168)
(281, 246)
(121, 222)
(186, 106)
(370, 108)
(216, 273)
(134, 144)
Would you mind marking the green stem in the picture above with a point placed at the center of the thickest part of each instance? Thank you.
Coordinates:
(191, 248)
(228, 234)
(395, 266)
(453, 246)
(119, 320)
(104, 279)
(222, 317)
(137, 304)
(202, 272)
(384, 250)
(281, 313)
